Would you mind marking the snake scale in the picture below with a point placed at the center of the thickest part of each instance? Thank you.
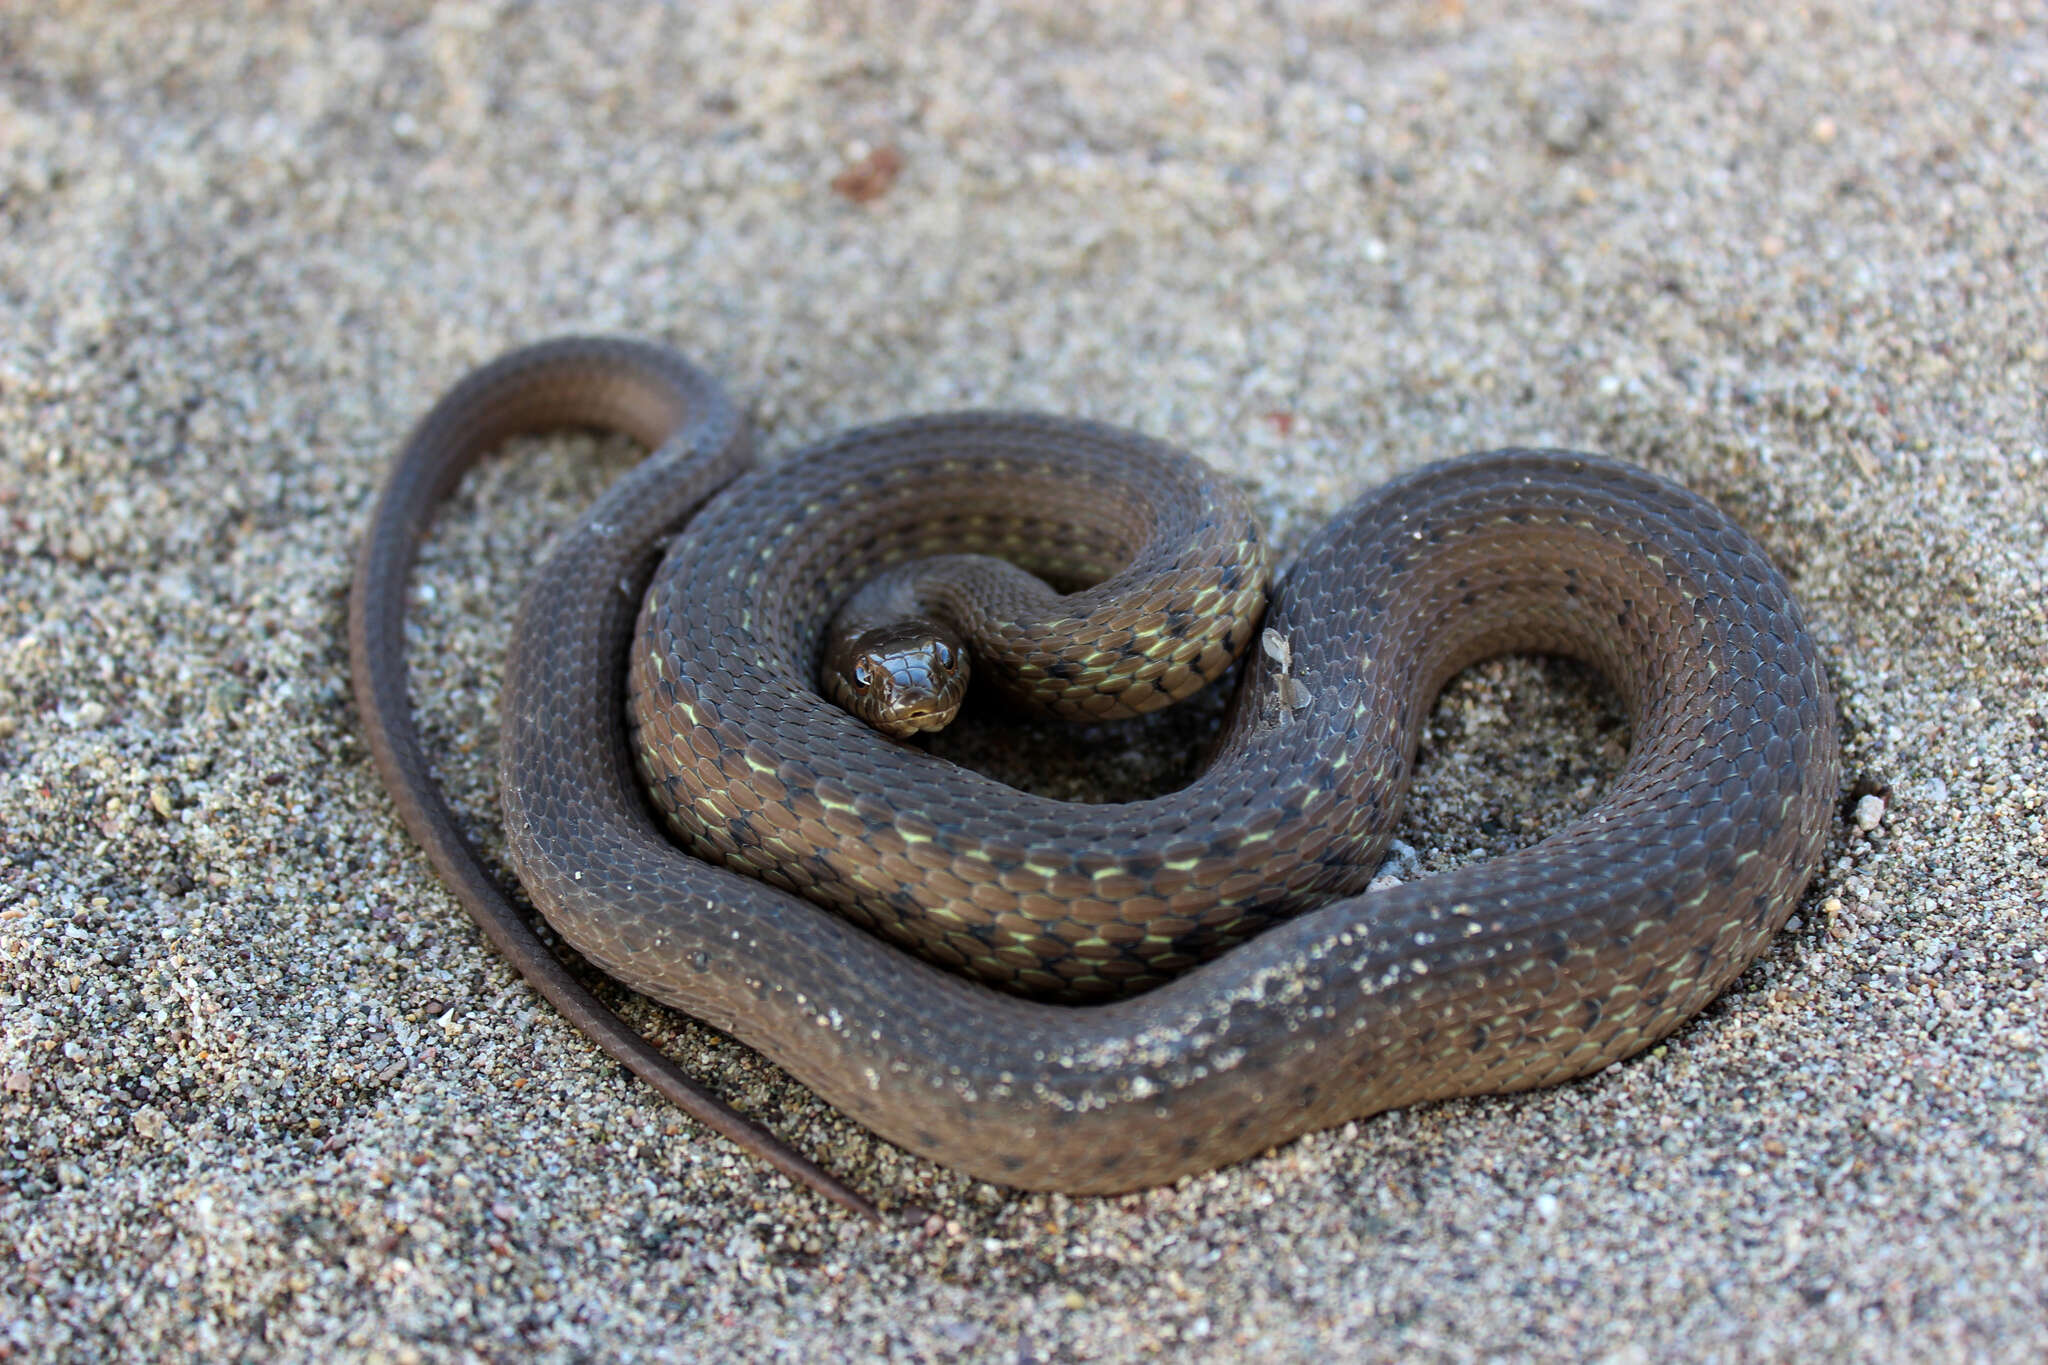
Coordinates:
(1283, 995)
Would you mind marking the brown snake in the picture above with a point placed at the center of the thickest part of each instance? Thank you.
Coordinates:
(1522, 971)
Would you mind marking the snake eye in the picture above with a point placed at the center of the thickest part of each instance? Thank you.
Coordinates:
(863, 676)
(943, 652)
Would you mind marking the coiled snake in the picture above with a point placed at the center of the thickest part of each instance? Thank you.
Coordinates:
(1331, 1002)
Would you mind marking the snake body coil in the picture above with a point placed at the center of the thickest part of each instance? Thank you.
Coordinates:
(1523, 971)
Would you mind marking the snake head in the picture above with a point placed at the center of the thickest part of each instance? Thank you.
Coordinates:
(901, 679)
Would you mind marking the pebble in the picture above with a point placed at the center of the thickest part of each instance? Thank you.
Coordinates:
(1566, 118)
(1402, 863)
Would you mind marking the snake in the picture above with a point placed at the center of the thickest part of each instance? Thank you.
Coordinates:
(1093, 998)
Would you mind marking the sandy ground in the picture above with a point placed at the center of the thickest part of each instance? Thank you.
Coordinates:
(264, 1092)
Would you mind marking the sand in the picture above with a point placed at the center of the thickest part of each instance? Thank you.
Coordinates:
(265, 1093)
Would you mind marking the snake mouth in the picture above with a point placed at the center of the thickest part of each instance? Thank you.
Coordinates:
(918, 723)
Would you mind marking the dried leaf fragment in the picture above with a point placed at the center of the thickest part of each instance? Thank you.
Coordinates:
(871, 176)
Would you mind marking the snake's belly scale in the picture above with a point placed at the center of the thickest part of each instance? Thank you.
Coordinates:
(1522, 971)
